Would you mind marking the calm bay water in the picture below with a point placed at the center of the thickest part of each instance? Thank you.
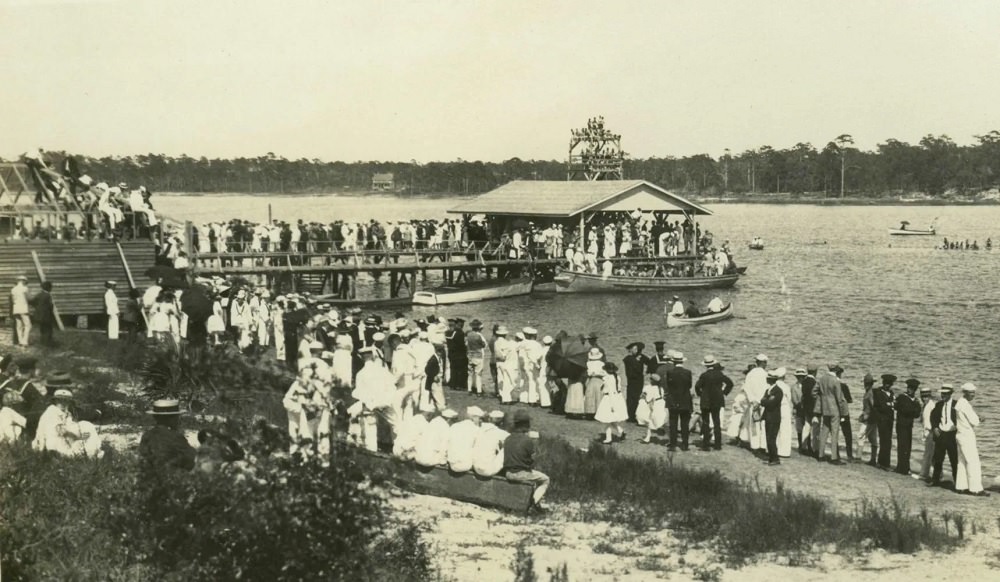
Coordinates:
(871, 302)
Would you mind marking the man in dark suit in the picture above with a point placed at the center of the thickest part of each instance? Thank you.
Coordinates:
(635, 364)
(908, 410)
(807, 384)
(771, 405)
(712, 388)
(882, 416)
(678, 401)
(943, 423)
(45, 312)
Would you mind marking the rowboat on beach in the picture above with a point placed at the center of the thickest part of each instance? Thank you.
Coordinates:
(476, 291)
(726, 313)
(578, 282)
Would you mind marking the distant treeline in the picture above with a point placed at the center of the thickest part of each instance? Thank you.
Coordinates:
(933, 166)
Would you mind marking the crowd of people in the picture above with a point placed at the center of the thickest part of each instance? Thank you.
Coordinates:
(109, 211)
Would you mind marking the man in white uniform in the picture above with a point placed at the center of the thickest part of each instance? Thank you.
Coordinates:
(20, 309)
(716, 305)
(461, 438)
(376, 390)
(677, 310)
(969, 478)
(754, 386)
(503, 348)
(432, 447)
(487, 450)
(928, 460)
(59, 433)
(111, 308)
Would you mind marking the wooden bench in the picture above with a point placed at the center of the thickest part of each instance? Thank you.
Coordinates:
(469, 487)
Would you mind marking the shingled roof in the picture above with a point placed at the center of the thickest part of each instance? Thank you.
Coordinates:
(569, 198)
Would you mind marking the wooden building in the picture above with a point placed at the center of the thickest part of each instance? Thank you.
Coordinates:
(383, 182)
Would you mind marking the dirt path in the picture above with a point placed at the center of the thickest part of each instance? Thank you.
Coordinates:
(845, 486)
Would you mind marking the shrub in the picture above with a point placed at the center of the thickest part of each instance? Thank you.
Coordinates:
(278, 518)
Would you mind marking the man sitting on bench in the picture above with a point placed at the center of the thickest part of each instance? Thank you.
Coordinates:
(487, 450)
(432, 446)
(520, 449)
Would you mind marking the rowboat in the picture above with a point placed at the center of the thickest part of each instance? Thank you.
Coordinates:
(477, 291)
(674, 321)
(909, 232)
(577, 282)
(756, 247)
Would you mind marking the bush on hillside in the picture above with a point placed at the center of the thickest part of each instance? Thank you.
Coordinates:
(277, 518)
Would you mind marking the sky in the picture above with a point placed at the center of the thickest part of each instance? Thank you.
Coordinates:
(443, 80)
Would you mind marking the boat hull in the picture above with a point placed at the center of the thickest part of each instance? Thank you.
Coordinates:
(900, 232)
(450, 294)
(576, 282)
(726, 313)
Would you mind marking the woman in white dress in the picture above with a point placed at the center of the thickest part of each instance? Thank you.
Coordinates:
(787, 427)
(216, 324)
(343, 363)
(613, 410)
(652, 409)
(161, 317)
(594, 387)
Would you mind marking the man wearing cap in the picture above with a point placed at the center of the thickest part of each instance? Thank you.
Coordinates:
(433, 386)
(458, 359)
(410, 431)
(712, 388)
(908, 410)
(870, 434)
(635, 364)
(487, 449)
(657, 359)
(927, 407)
(883, 415)
(943, 429)
(475, 347)
(58, 431)
(830, 405)
(969, 477)
(304, 405)
(111, 309)
(31, 400)
(375, 390)
(804, 417)
(432, 446)
(506, 356)
(20, 310)
(461, 440)
(164, 445)
(546, 377)
(45, 312)
(845, 421)
(531, 354)
(676, 307)
(754, 386)
(770, 404)
(679, 402)
(520, 452)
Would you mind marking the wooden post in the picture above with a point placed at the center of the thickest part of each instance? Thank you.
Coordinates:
(41, 277)
(393, 283)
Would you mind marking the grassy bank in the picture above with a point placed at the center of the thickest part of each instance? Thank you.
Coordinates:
(739, 519)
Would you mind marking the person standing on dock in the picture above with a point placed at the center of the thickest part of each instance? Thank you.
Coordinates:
(969, 478)
(111, 309)
(907, 411)
(883, 415)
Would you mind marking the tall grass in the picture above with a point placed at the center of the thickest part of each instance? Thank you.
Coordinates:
(740, 518)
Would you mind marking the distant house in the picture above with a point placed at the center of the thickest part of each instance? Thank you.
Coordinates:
(383, 182)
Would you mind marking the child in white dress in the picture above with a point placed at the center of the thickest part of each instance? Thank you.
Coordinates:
(612, 411)
(651, 400)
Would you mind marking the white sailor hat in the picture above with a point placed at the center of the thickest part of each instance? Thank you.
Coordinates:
(474, 412)
(378, 337)
(519, 335)
(326, 355)
(547, 340)
(367, 350)
(530, 331)
(496, 414)
(449, 414)
(404, 333)
(422, 334)
(781, 372)
(761, 358)
(968, 387)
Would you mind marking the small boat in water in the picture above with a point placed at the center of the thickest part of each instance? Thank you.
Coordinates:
(904, 231)
(726, 313)
(578, 282)
(756, 246)
(476, 291)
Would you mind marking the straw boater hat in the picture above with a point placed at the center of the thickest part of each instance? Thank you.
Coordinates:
(709, 361)
(502, 330)
(59, 380)
(594, 354)
(678, 358)
(110, 283)
(166, 407)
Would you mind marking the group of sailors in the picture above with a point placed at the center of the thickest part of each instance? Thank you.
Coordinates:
(106, 206)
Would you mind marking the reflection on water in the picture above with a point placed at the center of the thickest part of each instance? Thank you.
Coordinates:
(871, 302)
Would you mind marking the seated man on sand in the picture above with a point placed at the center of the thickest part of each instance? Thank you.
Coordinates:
(58, 431)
